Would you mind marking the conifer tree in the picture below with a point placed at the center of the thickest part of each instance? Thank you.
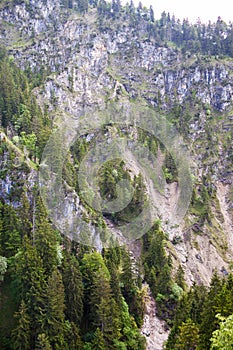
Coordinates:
(91, 264)
(72, 336)
(55, 316)
(73, 285)
(179, 278)
(45, 239)
(224, 302)
(112, 258)
(188, 337)
(104, 313)
(130, 290)
(25, 215)
(29, 277)
(21, 335)
(208, 319)
(152, 16)
(10, 238)
(42, 342)
(115, 283)
(98, 342)
(190, 306)
(158, 267)
(127, 276)
(130, 335)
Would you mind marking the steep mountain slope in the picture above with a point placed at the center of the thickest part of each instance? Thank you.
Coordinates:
(91, 66)
(84, 63)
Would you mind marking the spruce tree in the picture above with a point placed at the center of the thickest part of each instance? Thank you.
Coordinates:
(72, 336)
(30, 281)
(208, 320)
(98, 342)
(130, 290)
(10, 238)
(45, 239)
(188, 337)
(72, 279)
(55, 316)
(21, 335)
(103, 309)
(42, 342)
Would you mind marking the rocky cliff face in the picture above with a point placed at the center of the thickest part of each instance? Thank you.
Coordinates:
(88, 65)
(73, 47)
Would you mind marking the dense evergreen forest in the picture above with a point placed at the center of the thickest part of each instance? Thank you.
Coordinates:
(56, 294)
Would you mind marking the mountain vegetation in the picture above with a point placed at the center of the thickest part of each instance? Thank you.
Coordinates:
(58, 294)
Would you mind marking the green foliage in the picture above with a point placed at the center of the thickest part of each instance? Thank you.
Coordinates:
(222, 338)
(188, 336)
(169, 169)
(100, 305)
(3, 267)
(209, 322)
(22, 333)
(72, 336)
(73, 285)
(92, 263)
(42, 342)
(55, 316)
(39, 295)
(157, 267)
(212, 39)
(179, 278)
(104, 306)
(29, 142)
(176, 292)
(65, 295)
(45, 239)
(195, 323)
(109, 174)
(25, 216)
(19, 110)
(104, 313)
(130, 288)
(130, 336)
(11, 94)
(200, 204)
(45, 293)
(98, 342)
(23, 120)
(10, 239)
(113, 259)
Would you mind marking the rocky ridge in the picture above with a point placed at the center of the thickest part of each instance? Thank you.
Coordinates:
(88, 67)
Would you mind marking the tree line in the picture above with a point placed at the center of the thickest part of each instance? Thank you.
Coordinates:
(206, 39)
